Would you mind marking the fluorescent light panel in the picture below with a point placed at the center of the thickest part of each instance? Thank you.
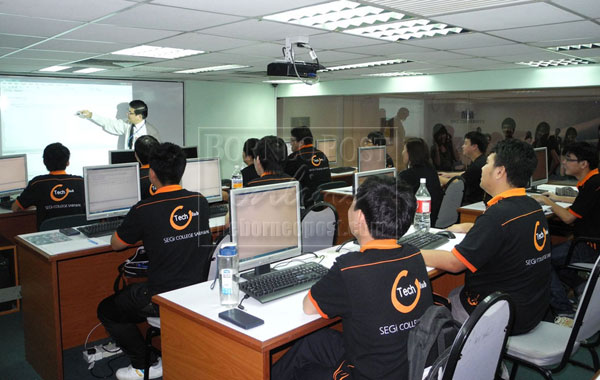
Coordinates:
(557, 62)
(364, 20)
(89, 70)
(365, 64)
(53, 69)
(394, 74)
(594, 45)
(157, 52)
(283, 81)
(211, 68)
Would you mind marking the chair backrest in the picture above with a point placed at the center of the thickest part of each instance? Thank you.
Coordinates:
(318, 197)
(319, 227)
(212, 269)
(64, 222)
(480, 342)
(452, 200)
(587, 318)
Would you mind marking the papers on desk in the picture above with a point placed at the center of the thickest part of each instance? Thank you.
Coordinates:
(47, 238)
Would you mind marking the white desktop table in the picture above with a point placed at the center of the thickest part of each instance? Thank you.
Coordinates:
(197, 344)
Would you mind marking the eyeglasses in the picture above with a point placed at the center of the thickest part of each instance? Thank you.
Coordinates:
(570, 159)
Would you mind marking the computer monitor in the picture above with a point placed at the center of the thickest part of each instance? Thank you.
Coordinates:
(329, 148)
(13, 174)
(121, 156)
(265, 224)
(110, 190)
(360, 177)
(289, 147)
(190, 151)
(540, 174)
(371, 158)
(204, 176)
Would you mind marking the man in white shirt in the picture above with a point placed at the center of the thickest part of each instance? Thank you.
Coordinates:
(131, 129)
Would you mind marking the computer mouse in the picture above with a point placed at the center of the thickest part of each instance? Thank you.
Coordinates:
(447, 234)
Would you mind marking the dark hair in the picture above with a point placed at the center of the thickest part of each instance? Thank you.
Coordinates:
(518, 159)
(249, 147)
(167, 161)
(438, 130)
(528, 135)
(56, 157)
(418, 155)
(571, 131)
(388, 206)
(509, 122)
(478, 139)
(143, 147)
(377, 138)
(302, 134)
(272, 152)
(139, 108)
(584, 152)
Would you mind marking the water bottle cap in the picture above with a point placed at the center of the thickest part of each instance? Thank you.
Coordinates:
(228, 249)
(423, 180)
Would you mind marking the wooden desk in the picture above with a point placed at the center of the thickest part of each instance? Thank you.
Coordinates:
(17, 223)
(196, 344)
(347, 177)
(61, 286)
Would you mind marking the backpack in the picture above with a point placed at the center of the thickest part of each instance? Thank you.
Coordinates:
(134, 267)
(429, 343)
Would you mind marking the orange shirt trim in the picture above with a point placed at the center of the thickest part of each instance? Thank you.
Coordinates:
(463, 260)
(380, 244)
(574, 214)
(58, 172)
(516, 192)
(169, 188)
(121, 240)
(316, 305)
(584, 180)
(147, 166)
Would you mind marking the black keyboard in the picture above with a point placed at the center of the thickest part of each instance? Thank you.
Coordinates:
(277, 284)
(342, 169)
(217, 210)
(566, 191)
(6, 204)
(423, 240)
(100, 229)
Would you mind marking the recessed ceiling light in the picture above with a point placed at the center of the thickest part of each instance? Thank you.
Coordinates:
(89, 70)
(211, 68)
(157, 52)
(283, 81)
(53, 69)
(394, 74)
(364, 20)
(365, 64)
(557, 62)
(594, 45)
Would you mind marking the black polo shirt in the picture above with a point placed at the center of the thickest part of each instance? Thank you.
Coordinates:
(146, 188)
(54, 194)
(472, 177)
(248, 174)
(508, 250)
(586, 207)
(412, 177)
(173, 226)
(310, 167)
(270, 179)
(380, 293)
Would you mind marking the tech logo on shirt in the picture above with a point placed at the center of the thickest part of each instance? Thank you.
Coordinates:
(59, 192)
(539, 237)
(316, 161)
(181, 218)
(406, 293)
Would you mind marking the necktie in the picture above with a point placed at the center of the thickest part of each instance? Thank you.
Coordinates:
(130, 140)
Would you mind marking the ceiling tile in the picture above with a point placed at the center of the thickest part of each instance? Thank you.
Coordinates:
(265, 49)
(75, 10)
(588, 8)
(243, 8)
(260, 30)
(435, 7)
(80, 46)
(495, 51)
(562, 42)
(28, 26)
(335, 40)
(430, 56)
(385, 49)
(170, 18)
(109, 33)
(457, 41)
(509, 17)
(204, 42)
(571, 30)
(541, 56)
(326, 56)
(471, 62)
(585, 53)
(18, 42)
(52, 54)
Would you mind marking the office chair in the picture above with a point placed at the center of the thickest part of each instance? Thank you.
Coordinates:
(63, 222)
(319, 227)
(586, 267)
(452, 200)
(549, 347)
(152, 332)
(318, 197)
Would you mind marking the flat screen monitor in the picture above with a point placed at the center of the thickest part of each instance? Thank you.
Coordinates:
(122, 156)
(329, 148)
(360, 177)
(110, 190)
(190, 151)
(13, 174)
(265, 224)
(289, 147)
(371, 158)
(203, 175)
(540, 174)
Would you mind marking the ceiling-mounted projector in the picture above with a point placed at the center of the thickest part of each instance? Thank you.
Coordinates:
(293, 69)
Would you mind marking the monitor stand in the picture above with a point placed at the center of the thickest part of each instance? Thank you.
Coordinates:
(266, 268)
(535, 190)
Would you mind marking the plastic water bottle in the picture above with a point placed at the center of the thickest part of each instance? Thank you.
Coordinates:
(236, 178)
(423, 214)
(228, 263)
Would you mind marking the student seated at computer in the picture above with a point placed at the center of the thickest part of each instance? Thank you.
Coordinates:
(249, 172)
(357, 288)
(143, 148)
(508, 247)
(269, 158)
(54, 194)
(376, 138)
(474, 147)
(173, 226)
(416, 156)
(581, 161)
(307, 164)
